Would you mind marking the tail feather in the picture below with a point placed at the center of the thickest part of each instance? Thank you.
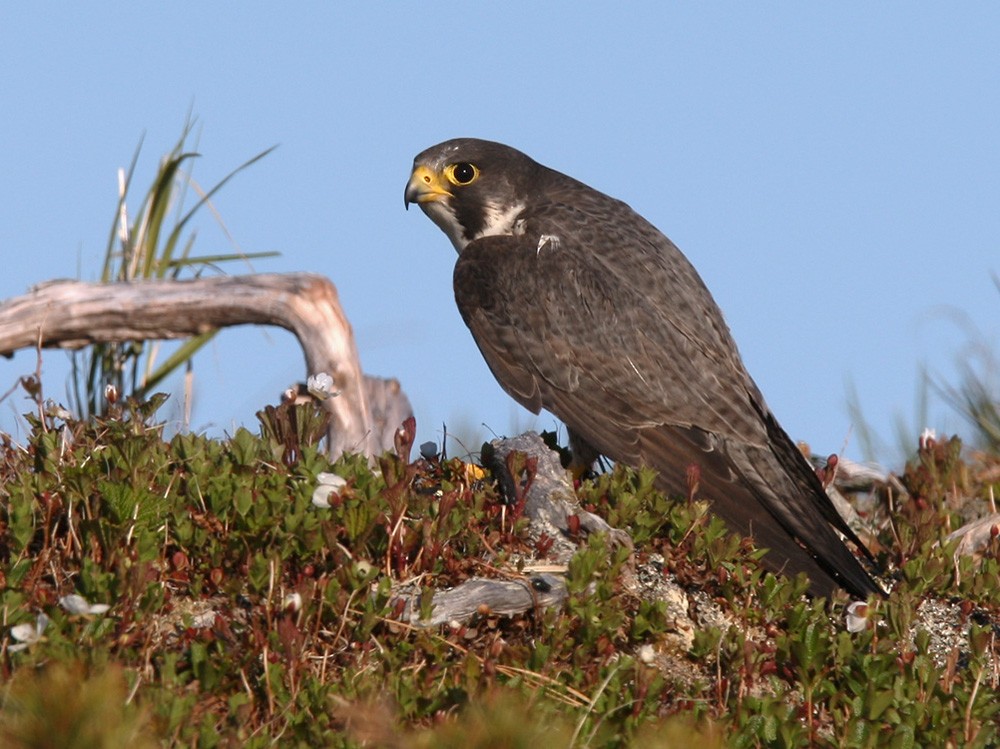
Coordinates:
(771, 494)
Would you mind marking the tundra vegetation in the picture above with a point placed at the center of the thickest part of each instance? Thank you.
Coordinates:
(182, 590)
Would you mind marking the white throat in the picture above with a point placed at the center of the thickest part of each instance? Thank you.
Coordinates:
(442, 215)
(499, 222)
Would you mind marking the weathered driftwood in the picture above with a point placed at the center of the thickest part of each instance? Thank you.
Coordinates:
(551, 500)
(549, 505)
(389, 407)
(484, 596)
(72, 314)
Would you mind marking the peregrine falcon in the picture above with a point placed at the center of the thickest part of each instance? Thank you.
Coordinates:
(582, 307)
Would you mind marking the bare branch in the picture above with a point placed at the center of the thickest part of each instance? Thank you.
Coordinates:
(73, 314)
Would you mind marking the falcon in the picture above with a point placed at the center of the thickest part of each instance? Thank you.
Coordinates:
(582, 307)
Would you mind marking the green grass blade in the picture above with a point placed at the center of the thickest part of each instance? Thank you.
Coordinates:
(208, 195)
(159, 204)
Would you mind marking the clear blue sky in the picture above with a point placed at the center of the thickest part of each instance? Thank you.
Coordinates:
(833, 171)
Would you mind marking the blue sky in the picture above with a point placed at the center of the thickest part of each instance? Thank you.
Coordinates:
(833, 172)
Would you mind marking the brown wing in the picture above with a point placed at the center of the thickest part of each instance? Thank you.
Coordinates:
(607, 325)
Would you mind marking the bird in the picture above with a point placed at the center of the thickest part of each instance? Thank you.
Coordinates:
(583, 308)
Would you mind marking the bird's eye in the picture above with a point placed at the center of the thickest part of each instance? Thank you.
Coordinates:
(462, 173)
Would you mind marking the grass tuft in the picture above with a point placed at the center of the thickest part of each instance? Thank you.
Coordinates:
(149, 244)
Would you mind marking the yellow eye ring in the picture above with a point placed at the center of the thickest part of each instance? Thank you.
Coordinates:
(461, 174)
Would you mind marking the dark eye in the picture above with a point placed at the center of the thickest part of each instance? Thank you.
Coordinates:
(462, 173)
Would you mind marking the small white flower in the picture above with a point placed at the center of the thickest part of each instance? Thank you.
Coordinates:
(56, 411)
(321, 497)
(292, 602)
(927, 437)
(111, 393)
(75, 604)
(329, 483)
(857, 616)
(331, 479)
(320, 386)
(647, 654)
(80, 606)
(28, 634)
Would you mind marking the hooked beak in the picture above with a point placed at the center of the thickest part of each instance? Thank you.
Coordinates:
(425, 186)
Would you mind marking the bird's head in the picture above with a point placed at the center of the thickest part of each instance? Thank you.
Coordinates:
(472, 188)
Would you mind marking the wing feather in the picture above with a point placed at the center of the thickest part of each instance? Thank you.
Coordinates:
(612, 330)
